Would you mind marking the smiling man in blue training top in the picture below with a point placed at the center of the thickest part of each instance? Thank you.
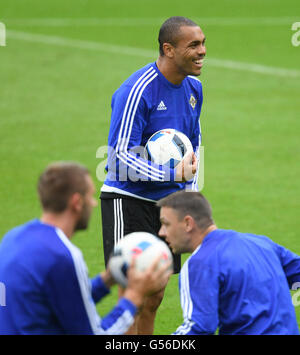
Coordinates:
(162, 95)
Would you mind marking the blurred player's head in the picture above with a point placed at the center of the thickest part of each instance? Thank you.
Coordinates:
(182, 42)
(67, 186)
(184, 215)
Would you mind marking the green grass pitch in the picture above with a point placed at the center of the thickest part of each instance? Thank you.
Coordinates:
(64, 59)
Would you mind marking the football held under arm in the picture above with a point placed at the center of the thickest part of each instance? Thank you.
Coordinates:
(126, 151)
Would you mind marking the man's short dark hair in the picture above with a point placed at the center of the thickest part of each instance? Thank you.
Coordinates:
(59, 182)
(170, 29)
(190, 203)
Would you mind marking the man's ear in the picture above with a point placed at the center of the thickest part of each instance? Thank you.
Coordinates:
(168, 50)
(76, 202)
(189, 223)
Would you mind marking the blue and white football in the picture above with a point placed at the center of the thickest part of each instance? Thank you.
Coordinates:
(168, 147)
(142, 246)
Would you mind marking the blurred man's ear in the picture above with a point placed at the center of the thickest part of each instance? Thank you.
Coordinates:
(189, 223)
(76, 202)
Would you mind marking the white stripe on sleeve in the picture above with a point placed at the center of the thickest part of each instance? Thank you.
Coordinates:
(83, 280)
(130, 109)
(186, 301)
(122, 323)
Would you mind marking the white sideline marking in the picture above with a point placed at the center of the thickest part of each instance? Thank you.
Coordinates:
(80, 44)
(255, 68)
(216, 21)
(149, 54)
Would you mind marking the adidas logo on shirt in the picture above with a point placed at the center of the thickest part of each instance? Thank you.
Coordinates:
(161, 106)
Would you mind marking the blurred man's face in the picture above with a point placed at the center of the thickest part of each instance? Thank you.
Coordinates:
(173, 231)
(89, 203)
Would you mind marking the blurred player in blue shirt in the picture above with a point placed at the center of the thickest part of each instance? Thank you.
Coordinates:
(46, 282)
(237, 282)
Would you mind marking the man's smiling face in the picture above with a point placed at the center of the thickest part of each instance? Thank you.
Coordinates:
(189, 50)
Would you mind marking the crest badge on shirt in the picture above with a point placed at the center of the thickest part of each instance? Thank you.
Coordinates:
(193, 101)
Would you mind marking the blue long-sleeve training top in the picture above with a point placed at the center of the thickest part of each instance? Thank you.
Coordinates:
(240, 284)
(47, 289)
(144, 104)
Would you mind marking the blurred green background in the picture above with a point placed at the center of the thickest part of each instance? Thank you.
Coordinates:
(64, 59)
